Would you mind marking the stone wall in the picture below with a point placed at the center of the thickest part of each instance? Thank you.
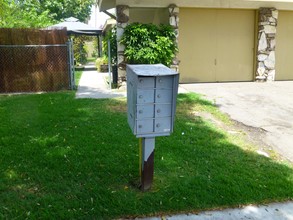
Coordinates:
(122, 12)
(174, 22)
(268, 19)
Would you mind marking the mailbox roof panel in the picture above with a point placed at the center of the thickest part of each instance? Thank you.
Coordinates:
(151, 70)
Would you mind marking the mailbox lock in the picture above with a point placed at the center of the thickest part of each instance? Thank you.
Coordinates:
(159, 96)
(139, 126)
(140, 111)
(141, 80)
(159, 110)
(140, 96)
(158, 125)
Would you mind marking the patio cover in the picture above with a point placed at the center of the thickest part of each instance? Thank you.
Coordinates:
(74, 26)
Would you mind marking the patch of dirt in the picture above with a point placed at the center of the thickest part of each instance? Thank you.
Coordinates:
(253, 135)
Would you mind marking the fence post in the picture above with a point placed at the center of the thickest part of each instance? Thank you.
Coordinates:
(109, 64)
(71, 64)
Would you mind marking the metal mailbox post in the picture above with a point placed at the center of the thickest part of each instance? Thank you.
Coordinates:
(151, 103)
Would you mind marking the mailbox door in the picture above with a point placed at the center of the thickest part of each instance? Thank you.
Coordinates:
(164, 82)
(145, 111)
(163, 125)
(145, 96)
(163, 96)
(145, 126)
(163, 110)
(146, 82)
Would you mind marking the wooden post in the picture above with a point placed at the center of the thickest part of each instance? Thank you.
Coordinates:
(147, 163)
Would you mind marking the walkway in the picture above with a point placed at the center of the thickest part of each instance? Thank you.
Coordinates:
(94, 85)
(275, 211)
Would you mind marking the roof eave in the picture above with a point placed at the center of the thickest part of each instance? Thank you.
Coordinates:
(106, 4)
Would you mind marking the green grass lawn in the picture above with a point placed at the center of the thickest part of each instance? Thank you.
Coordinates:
(91, 59)
(67, 158)
(77, 76)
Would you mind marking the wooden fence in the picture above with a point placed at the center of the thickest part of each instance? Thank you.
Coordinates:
(33, 60)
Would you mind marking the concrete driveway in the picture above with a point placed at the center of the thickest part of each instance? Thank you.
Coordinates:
(262, 105)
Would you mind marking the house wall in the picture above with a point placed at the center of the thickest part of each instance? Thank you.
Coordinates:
(251, 46)
(227, 4)
(149, 15)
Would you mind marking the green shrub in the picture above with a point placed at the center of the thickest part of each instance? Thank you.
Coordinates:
(149, 44)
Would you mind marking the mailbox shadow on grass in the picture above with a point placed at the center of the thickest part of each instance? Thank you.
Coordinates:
(63, 157)
(200, 168)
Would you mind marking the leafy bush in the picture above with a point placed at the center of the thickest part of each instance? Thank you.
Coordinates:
(149, 44)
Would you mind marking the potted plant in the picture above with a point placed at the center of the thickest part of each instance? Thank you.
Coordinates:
(102, 64)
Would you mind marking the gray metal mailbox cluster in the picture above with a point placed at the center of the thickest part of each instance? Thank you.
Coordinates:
(151, 99)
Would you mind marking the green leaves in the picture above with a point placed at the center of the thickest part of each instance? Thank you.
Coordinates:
(80, 9)
(149, 44)
(24, 14)
(112, 36)
(41, 13)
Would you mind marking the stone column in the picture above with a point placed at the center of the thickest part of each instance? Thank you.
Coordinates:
(268, 18)
(122, 14)
(174, 22)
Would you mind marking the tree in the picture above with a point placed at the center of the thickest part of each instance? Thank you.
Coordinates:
(61, 9)
(23, 14)
(41, 13)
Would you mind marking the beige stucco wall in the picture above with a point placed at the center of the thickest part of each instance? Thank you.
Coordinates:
(149, 15)
(245, 4)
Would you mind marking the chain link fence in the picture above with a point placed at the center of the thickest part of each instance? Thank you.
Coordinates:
(34, 68)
